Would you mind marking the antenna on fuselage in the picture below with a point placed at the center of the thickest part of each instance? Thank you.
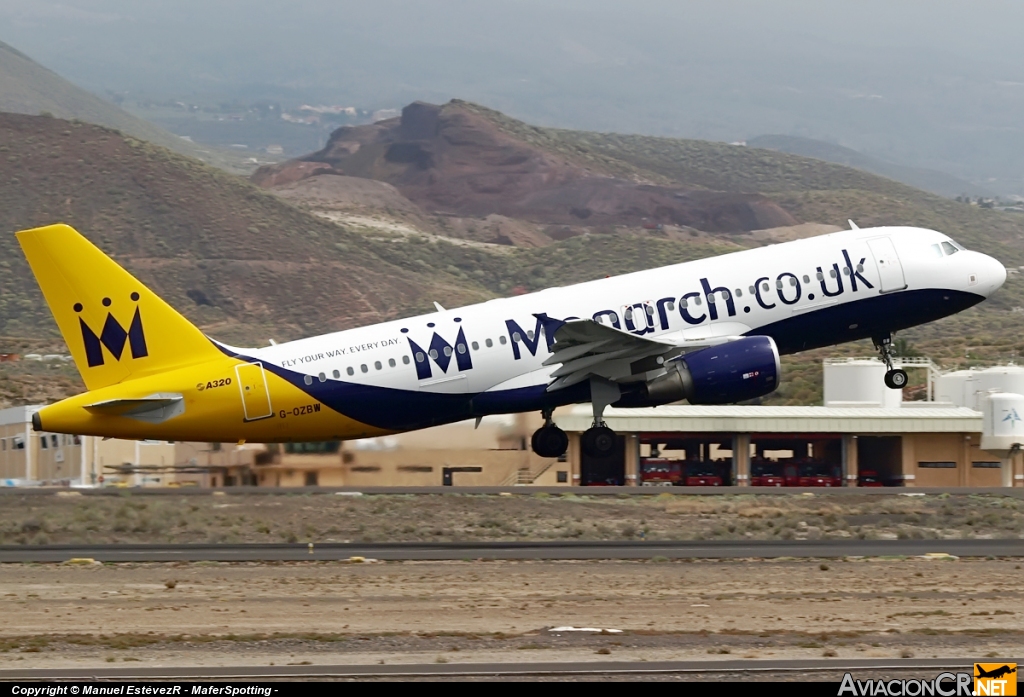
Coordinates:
(438, 306)
(853, 226)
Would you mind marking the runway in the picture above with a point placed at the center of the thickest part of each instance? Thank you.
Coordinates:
(869, 667)
(559, 550)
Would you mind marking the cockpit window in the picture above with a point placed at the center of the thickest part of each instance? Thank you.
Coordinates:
(949, 248)
(936, 250)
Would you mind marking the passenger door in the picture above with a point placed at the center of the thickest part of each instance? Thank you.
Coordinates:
(252, 384)
(890, 270)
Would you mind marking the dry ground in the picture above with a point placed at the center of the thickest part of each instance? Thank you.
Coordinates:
(416, 612)
(69, 518)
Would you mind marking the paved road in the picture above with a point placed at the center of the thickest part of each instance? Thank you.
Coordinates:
(513, 550)
(1016, 492)
(865, 668)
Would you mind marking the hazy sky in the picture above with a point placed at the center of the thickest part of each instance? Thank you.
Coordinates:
(936, 83)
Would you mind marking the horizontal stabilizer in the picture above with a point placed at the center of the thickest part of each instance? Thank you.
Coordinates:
(155, 408)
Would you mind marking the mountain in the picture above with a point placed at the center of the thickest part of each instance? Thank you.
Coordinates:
(452, 160)
(28, 88)
(927, 179)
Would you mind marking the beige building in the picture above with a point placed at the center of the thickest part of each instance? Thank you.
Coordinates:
(55, 459)
(926, 445)
(495, 453)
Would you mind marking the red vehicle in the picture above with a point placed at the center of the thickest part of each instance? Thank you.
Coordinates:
(660, 472)
(869, 478)
(766, 474)
(819, 474)
(702, 474)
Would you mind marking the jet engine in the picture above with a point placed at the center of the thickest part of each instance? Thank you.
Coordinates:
(725, 374)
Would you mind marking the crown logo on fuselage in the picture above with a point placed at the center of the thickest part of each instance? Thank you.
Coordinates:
(113, 336)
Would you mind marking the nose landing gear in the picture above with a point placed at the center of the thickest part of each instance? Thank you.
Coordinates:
(895, 378)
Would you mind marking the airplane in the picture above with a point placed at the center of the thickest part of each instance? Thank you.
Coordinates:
(995, 672)
(708, 331)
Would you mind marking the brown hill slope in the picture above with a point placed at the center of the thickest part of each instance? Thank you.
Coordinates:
(451, 159)
(28, 88)
(243, 264)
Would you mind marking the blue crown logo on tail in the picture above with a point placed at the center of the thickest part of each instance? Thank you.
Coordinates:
(113, 336)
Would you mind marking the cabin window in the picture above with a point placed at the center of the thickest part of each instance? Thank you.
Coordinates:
(461, 348)
(322, 377)
(448, 350)
(405, 360)
(530, 334)
(364, 368)
(502, 340)
(846, 270)
(764, 287)
(949, 248)
(820, 276)
(778, 283)
(516, 336)
(725, 295)
(419, 356)
(860, 267)
(697, 301)
(807, 279)
(489, 343)
(628, 314)
(432, 353)
(832, 272)
(336, 374)
(350, 370)
(739, 293)
(308, 379)
(670, 305)
(752, 290)
(792, 280)
(377, 365)
(391, 363)
(476, 346)
(711, 299)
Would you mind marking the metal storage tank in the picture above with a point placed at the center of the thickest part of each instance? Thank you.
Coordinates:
(965, 387)
(858, 383)
(953, 388)
(1002, 428)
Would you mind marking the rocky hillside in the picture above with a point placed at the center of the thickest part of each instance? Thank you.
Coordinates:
(243, 264)
(453, 160)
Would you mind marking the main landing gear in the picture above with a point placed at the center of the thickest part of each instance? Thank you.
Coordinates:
(895, 378)
(599, 440)
(549, 440)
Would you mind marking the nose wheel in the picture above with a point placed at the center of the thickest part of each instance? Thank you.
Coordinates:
(895, 378)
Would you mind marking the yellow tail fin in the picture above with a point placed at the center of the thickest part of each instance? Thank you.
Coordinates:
(115, 327)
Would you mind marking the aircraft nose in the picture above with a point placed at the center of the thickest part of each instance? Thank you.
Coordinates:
(991, 275)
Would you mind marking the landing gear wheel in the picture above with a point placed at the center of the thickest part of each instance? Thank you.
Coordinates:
(549, 441)
(896, 379)
(598, 441)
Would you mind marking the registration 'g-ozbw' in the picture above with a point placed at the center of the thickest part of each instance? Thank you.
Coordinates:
(708, 331)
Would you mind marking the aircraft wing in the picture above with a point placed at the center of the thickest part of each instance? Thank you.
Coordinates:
(584, 348)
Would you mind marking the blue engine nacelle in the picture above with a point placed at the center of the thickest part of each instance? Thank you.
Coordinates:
(732, 372)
